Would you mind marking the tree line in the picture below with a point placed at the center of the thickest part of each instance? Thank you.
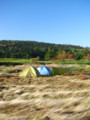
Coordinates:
(44, 51)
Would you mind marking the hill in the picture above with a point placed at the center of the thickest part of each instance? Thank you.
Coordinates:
(32, 49)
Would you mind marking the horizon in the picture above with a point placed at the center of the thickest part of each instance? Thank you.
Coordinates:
(58, 22)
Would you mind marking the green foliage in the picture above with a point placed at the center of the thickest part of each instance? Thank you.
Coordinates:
(78, 56)
(85, 52)
(59, 53)
(88, 69)
(32, 49)
(49, 55)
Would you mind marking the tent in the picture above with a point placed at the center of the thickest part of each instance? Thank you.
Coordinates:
(43, 70)
(29, 71)
(58, 71)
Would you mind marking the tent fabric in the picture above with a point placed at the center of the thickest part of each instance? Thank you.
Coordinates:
(29, 71)
(58, 71)
(43, 70)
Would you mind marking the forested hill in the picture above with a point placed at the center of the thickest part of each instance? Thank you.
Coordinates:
(32, 49)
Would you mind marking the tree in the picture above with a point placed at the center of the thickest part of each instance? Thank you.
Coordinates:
(64, 54)
(27, 56)
(59, 53)
(78, 56)
(85, 52)
(50, 54)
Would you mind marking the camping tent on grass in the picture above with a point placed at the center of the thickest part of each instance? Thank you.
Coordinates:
(43, 70)
(58, 71)
(29, 71)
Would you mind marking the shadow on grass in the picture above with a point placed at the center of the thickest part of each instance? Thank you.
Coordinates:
(10, 63)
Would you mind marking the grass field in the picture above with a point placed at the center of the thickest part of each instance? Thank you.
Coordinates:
(15, 61)
(81, 63)
(62, 97)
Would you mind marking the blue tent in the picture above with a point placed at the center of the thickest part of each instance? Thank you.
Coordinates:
(43, 70)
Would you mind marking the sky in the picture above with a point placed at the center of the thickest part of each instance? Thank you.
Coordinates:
(51, 21)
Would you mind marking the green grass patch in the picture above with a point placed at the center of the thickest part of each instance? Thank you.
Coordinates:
(67, 61)
(15, 61)
(88, 69)
(72, 61)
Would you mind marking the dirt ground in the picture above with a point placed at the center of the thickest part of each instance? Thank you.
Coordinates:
(61, 97)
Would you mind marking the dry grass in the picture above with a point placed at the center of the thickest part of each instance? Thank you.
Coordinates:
(65, 97)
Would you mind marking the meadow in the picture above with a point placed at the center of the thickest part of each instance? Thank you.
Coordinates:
(16, 61)
(60, 97)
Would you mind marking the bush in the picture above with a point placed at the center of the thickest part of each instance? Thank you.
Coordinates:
(78, 56)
